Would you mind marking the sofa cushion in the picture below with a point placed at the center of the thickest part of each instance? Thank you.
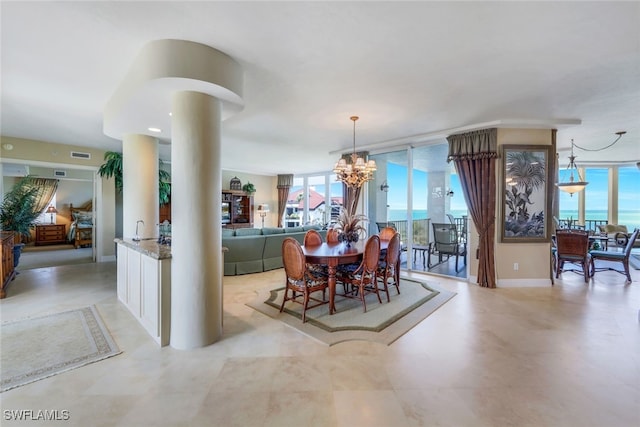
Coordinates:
(248, 232)
(228, 232)
(244, 254)
(311, 227)
(272, 230)
(294, 230)
(272, 256)
(613, 228)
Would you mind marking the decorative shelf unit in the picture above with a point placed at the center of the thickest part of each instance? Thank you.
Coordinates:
(237, 208)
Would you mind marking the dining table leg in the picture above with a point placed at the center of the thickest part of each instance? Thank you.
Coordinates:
(331, 273)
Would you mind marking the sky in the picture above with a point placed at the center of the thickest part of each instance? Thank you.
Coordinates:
(596, 191)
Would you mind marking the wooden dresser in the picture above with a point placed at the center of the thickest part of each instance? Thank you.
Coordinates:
(50, 234)
(7, 271)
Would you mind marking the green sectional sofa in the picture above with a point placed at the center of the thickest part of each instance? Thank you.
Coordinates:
(254, 250)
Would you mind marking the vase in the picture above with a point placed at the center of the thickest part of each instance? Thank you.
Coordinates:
(348, 237)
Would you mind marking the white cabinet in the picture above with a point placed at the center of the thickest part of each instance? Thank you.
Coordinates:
(122, 274)
(144, 287)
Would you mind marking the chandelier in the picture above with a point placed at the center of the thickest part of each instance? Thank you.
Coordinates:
(357, 172)
(572, 186)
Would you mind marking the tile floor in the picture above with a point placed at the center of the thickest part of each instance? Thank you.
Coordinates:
(567, 355)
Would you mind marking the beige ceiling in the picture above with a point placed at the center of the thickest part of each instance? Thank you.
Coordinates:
(413, 71)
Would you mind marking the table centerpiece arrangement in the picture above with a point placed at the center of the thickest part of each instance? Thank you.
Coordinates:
(350, 227)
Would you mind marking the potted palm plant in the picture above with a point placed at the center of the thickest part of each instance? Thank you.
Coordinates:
(112, 168)
(18, 213)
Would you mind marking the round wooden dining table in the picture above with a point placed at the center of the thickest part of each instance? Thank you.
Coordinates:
(334, 254)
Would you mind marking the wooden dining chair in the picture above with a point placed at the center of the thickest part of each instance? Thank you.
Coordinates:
(617, 257)
(312, 238)
(572, 246)
(388, 266)
(301, 281)
(332, 236)
(360, 279)
(387, 233)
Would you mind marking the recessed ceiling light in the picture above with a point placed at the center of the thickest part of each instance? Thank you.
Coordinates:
(155, 130)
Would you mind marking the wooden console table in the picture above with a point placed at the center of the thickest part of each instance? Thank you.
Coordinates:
(50, 234)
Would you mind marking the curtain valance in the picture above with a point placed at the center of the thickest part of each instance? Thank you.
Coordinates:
(479, 144)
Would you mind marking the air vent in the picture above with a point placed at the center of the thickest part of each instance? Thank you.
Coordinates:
(79, 155)
(60, 173)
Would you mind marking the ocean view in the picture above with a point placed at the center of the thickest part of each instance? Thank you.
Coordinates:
(630, 218)
(401, 214)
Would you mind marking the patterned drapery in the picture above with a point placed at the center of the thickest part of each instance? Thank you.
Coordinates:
(284, 184)
(46, 189)
(474, 155)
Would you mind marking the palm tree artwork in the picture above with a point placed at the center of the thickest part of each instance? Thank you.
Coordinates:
(525, 177)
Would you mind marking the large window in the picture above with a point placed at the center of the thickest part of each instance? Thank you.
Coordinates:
(314, 199)
(629, 197)
(596, 194)
(597, 198)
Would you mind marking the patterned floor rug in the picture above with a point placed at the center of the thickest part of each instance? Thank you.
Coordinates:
(37, 348)
(382, 323)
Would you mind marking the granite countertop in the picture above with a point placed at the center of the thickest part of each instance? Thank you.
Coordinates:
(149, 247)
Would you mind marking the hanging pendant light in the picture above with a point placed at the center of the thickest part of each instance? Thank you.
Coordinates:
(357, 172)
(572, 186)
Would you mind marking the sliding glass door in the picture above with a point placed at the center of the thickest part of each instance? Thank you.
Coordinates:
(414, 188)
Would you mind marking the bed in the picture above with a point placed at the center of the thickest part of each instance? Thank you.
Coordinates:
(81, 229)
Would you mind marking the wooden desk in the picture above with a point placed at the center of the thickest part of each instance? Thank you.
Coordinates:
(332, 255)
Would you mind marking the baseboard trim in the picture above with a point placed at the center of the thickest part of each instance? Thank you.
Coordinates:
(524, 283)
(108, 258)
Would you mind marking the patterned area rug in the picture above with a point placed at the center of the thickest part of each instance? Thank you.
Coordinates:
(37, 348)
(383, 323)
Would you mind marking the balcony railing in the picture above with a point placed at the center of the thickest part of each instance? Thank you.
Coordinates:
(420, 230)
(591, 225)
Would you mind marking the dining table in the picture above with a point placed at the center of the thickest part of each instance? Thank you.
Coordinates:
(334, 254)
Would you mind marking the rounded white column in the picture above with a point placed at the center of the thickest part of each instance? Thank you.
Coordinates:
(140, 200)
(196, 236)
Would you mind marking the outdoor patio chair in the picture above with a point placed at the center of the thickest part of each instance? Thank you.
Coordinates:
(572, 246)
(446, 243)
(611, 256)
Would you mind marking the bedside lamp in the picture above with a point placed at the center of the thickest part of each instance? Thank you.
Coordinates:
(263, 210)
(51, 210)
